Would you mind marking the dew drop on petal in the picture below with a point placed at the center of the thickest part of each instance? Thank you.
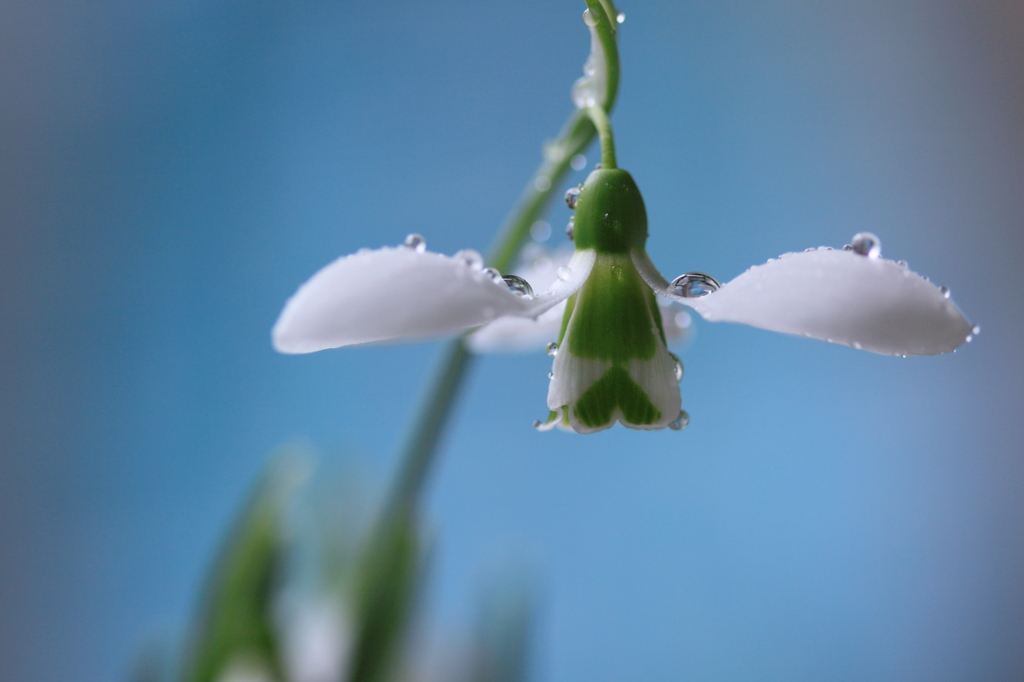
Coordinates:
(518, 286)
(540, 231)
(416, 242)
(901, 263)
(471, 258)
(537, 424)
(866, 244)
(678, 366)
(551, 349)
(551, 375)
(694, 285)
(570, 228)
(681, 422)
(563, 273)
(589, 18)
(944, 291)
(494, 275)
(578, 162)
(572, 195)
(620, 17)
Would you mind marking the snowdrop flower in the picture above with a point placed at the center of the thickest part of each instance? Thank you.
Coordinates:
(612, 363)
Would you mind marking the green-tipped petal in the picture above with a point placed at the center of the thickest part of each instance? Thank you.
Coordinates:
(612, 364)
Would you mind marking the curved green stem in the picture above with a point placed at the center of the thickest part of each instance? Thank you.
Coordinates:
(577, 133)
(607, 27)
(604, 131)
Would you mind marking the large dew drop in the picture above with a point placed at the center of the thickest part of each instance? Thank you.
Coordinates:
(518, 286)
(681, 422)
(866, 244)
(694, 285)
(572, 195)
(416, 242)
(589, 18)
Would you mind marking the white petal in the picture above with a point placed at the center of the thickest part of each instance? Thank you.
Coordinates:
(521, 334)
(400, 293)
(842, 297)
(390, 293)
(518, 334)
(569, 278)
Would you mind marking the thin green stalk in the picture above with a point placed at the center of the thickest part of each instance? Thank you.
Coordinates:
(576, 135)
(604, 131)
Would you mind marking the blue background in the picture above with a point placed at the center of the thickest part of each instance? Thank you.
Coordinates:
(171, 171)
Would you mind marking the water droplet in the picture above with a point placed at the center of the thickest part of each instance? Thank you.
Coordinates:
(540, 231)
(901, 263)
(678, 366)
(694, 285)
(572, 195)
(683, 319)
(471, 258)
(589, 18)
(620, 17)
(975, 330)
(542, 183)
(856, 344)
(847, 247)
(517, 285)
(416, 242)
(924, 277)
(570, 229)
(944, 291)
(827, 248)
(598, 166)
(563, 273)
(551, 375)
(810, 249)
(866, 244)
(681, 422)
(537, 424)
(551, 349)
(494, 275)
(579, 162)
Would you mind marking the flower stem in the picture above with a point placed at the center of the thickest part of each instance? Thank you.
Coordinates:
(577, 133)
(604, 131)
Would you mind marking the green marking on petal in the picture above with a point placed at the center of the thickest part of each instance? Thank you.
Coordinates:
(570, 304)
(612, 316)
(615, 389)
